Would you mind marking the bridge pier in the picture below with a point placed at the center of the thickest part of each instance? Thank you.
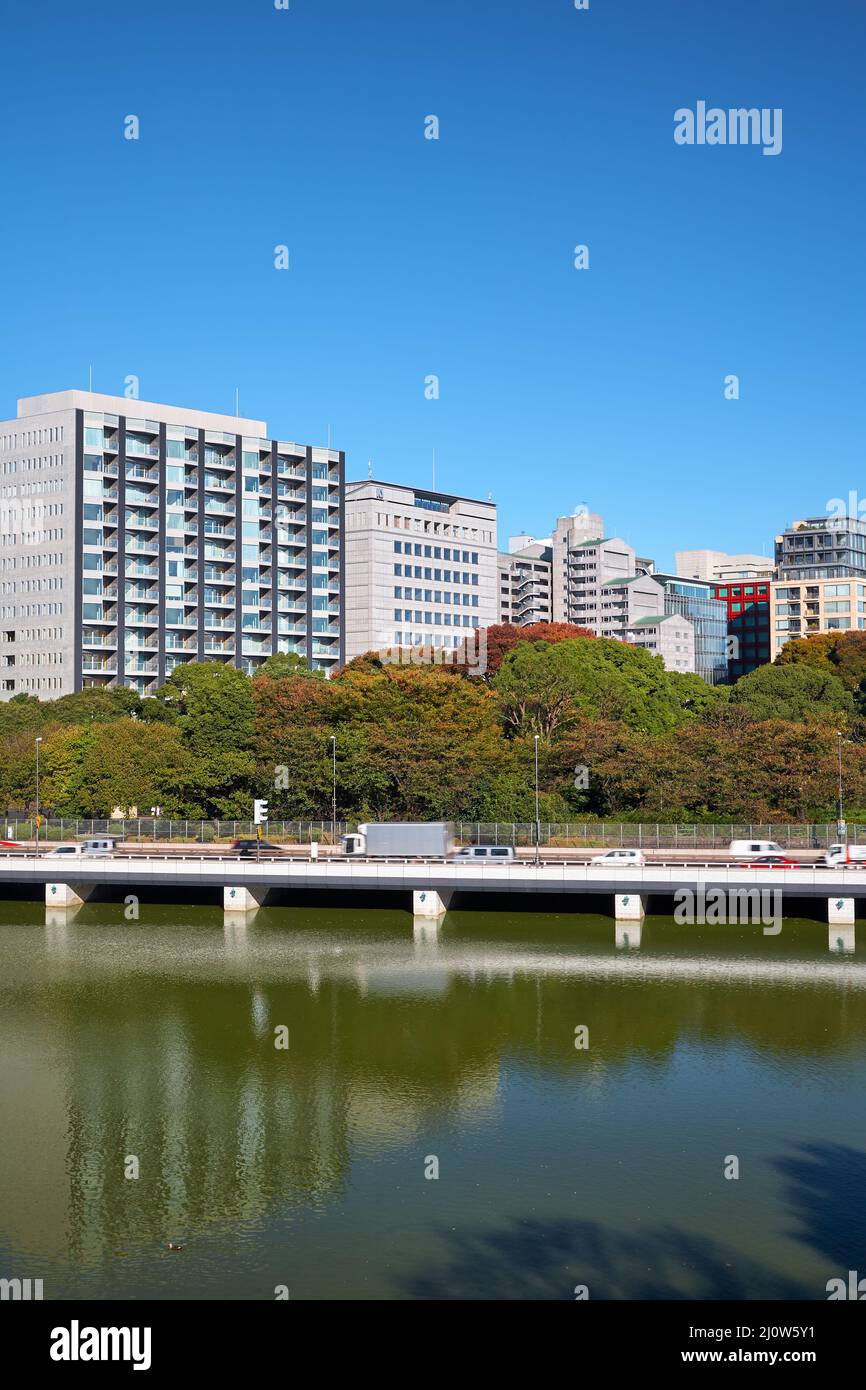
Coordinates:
(237, 898)
(627, 935)
(425, 930)
(840, 911)
(67, 894)
(841, 939)
(427, 902)
(629, 907)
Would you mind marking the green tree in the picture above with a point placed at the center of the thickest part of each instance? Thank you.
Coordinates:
(794, 692)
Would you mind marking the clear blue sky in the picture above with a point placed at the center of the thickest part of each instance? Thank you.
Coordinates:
(411, 257)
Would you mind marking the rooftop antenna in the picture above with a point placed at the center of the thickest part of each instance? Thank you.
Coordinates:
(329, 437)
(90, 377)
(237, 401)
(434, 470)
(369, 468)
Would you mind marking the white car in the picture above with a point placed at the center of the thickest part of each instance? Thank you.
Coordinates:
(619, 858)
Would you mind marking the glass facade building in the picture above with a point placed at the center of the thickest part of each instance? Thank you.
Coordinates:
(695, 599)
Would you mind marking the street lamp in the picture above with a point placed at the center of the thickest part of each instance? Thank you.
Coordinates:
(334, 791)
(537, 821)
(840, 823)
(38, 741)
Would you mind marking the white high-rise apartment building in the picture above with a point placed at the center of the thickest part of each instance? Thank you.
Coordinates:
(138, 536)
(420, 567)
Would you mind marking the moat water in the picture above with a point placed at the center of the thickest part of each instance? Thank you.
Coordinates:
(433, 1126)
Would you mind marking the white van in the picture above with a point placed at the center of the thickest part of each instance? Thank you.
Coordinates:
(99, 846)
(837, 856)
(750, 848)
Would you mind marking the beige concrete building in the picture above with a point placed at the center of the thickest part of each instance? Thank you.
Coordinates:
(670, 636)
(802, 608)
(569, 535)
(421, 567)
(718, 565)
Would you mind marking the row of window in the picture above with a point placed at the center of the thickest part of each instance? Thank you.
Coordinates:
(436, 552)
(438, 576)
(436, 596)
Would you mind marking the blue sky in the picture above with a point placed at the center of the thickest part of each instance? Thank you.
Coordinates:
(454, 257)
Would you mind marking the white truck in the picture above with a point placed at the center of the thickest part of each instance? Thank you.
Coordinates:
(837, 856)
(402, 840)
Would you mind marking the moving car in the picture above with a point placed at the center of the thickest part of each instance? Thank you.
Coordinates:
(770, 861)
(495, 853)
(246, 849)
(619, 858)
(97, 845)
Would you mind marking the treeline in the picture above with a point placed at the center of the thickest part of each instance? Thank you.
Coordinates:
(617, 736)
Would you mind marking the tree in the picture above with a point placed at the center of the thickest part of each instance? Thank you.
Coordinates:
(213, 705)
(542, 688)
(503, 637)
(793, 692)
(284, 664)
(96, 705)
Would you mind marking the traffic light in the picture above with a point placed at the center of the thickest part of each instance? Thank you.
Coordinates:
(260, 812)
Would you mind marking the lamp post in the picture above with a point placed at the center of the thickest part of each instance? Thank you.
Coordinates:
(334, 791)
(38, 741)
(537, 821)
(840, 823)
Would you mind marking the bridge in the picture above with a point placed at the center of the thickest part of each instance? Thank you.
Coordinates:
(752, 892)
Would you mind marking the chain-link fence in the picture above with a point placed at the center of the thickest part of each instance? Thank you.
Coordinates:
(570, 834)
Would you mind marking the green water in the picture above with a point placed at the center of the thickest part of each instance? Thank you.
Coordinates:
(305, 1167)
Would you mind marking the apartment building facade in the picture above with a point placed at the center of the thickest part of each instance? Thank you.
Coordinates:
(140, 536)
(525, 583)
(822, 547)
(568, 563)
(421, 568)
(806, 608)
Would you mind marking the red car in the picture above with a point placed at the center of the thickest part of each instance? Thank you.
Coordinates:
(769, 861)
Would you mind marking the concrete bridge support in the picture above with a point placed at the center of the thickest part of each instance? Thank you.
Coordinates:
(67, 894)
(425, 930)
(628, 936)
(842, 939)
(629, 907)
(840, 912)
(427, 902)
(240, 899)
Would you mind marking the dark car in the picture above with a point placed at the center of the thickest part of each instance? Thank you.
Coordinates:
(247, 849)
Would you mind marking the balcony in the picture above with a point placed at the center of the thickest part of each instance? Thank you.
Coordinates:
(135, 447)
(106, 666)
(142, 571)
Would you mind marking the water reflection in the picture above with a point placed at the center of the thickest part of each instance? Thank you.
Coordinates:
(156, 1039)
